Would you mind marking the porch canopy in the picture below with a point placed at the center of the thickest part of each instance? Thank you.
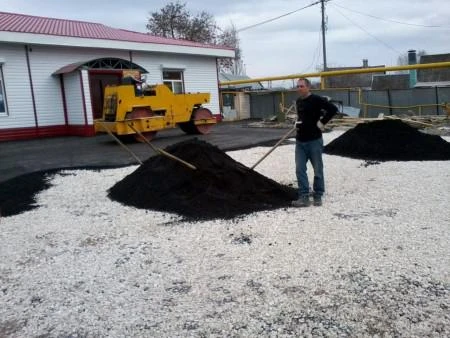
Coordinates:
(104, 63)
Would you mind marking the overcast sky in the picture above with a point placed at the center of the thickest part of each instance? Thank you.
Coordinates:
(377, 30)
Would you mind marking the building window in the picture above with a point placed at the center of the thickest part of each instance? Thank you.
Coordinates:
(3, 105)
(228, 100)
(174, 80)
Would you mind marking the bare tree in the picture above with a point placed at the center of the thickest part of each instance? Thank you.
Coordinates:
(229, 38)
(402, 59)
(175, 21)
(171, 22)
(202, 28)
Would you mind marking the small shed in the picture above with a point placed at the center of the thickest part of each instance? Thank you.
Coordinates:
(235, 98)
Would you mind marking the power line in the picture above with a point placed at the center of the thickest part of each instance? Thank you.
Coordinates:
(316, 54)
(373, 36)
(324, 47)
(279, 17)
(388, 20)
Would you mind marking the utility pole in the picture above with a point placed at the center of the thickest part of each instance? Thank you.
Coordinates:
(323, 36)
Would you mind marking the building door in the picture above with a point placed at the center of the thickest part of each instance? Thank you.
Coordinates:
(98, 81)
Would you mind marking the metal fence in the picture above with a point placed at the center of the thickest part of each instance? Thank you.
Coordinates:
(415, 101)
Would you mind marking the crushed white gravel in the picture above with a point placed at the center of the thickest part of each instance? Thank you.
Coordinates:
(374, 260)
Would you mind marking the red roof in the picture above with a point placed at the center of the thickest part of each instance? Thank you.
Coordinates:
(20, 23)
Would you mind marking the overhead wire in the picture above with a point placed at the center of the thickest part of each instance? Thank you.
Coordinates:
(388, 20)
(316, 51)
(279, 17)
(316, 54)
(346, 17)
(368, 33)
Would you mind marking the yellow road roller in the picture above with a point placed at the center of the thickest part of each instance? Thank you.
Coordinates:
(130, 107)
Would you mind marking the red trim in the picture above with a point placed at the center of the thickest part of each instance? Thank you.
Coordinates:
(80, 130)
(83, 98)
(91, 72)
(13, 134)
(219, 117)
(63, 95)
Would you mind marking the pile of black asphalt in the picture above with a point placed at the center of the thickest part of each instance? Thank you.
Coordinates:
(17, 195)
(219, 187)
(389, 140)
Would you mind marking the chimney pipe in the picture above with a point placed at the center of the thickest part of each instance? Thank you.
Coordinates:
(412, 60)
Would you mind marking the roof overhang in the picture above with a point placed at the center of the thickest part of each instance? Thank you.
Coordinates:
(69, 68)
(81, 64)
(54, 40)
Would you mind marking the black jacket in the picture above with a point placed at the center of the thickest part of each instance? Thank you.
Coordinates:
(309, 111)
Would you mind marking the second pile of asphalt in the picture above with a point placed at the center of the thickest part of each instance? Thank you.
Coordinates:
(220, 187)
(389, 140)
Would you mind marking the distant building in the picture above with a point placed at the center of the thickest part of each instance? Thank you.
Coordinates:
(352, 80)
(223, 77)
(439, 77)
(390, 81)
(437, 74)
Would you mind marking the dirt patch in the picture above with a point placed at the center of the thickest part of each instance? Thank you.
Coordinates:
(220, 187)
(389, 140)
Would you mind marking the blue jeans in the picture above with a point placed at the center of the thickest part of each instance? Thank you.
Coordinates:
(312, 151)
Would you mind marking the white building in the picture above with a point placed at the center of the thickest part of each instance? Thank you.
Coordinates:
(53, 71)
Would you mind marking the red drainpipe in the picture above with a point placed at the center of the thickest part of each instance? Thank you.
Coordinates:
(219, 117)
(63, 95)
(31, 86)
(83, 99)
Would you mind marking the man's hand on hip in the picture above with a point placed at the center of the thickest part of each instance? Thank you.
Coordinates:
(320, 125)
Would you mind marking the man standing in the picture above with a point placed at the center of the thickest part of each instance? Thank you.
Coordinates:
(313, 112)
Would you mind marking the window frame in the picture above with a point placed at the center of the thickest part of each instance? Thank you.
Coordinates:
(228, 97)
(3, 112)
(171, 82)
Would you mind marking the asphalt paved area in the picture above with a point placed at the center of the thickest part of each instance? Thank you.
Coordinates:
(101, 151)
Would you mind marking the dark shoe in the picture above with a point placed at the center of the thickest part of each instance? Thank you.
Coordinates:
(317, 201)
(301, 202)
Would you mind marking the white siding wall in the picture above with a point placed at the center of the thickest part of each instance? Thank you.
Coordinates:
(46, 60)
(73, 98)
(18, 93)
(87, 96)
(201, 76)
(200, 73)
(47, 91)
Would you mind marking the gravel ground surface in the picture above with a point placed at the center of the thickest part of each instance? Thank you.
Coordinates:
(374, 260)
